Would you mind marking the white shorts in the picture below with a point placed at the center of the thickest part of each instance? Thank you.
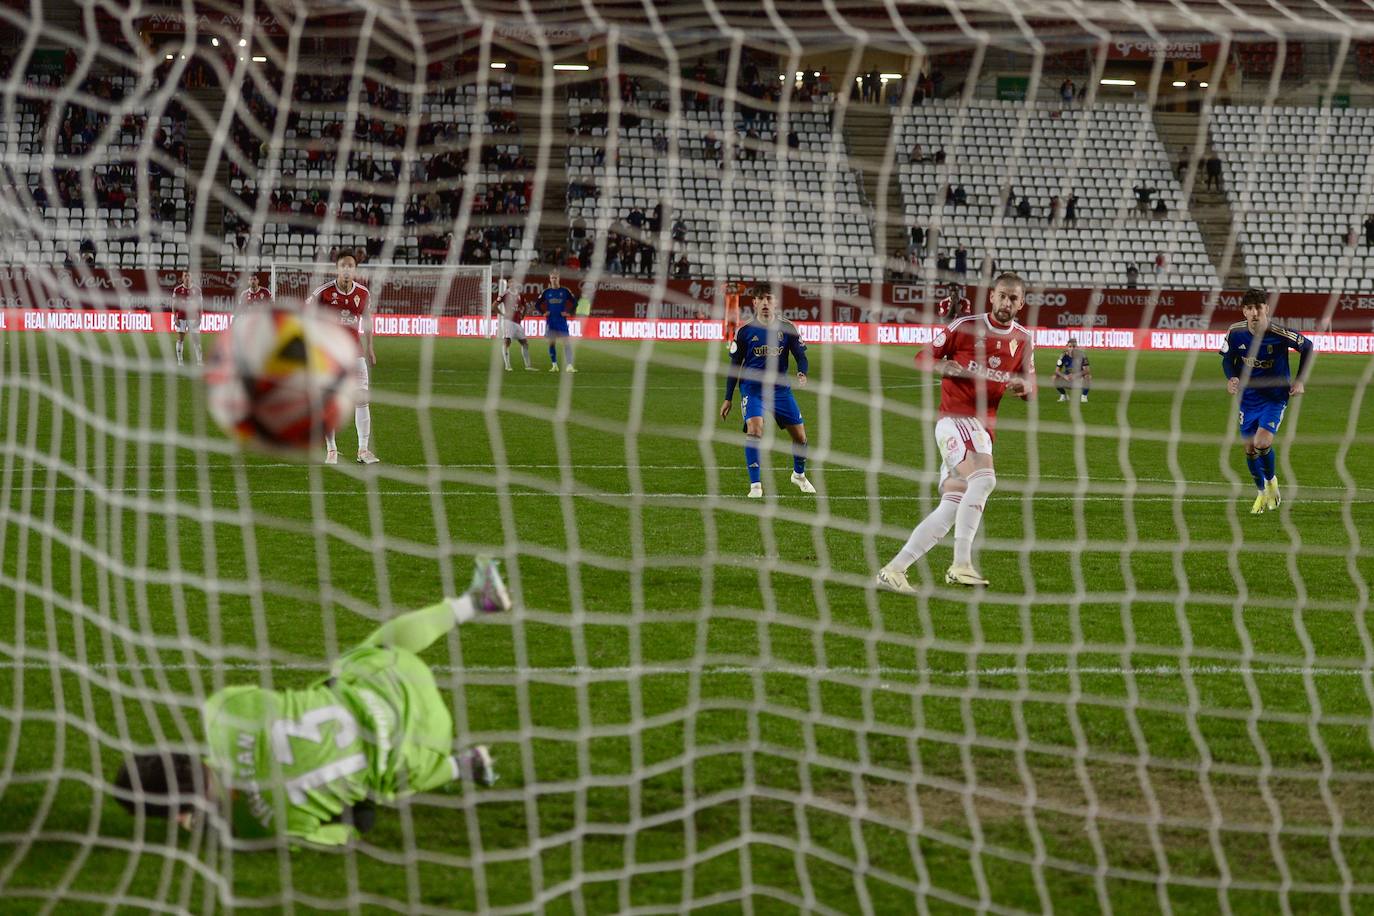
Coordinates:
(181, 325)
(958, 438)
(512, 330)
(361, 375)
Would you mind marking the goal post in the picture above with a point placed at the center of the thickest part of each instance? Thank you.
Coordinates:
(453, 291)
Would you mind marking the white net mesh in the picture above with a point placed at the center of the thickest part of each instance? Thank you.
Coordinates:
(701, 701)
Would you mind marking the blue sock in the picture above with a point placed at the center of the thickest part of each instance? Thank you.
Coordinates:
(799, 458)
(553, 354)
(1256, 466)
(751, 458)
(1266, 459)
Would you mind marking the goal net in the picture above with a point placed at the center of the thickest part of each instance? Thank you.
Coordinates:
(703, 700)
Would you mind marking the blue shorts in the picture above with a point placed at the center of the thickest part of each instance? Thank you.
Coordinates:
(781, 404)
(556, 328)
(1258, 414)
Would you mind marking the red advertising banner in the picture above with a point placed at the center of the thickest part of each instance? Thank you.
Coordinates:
(669, 330)
(408, 292)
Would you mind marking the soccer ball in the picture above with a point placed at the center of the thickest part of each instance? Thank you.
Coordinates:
(281, 378)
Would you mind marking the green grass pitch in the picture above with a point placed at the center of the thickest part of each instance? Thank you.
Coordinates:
(701, 704)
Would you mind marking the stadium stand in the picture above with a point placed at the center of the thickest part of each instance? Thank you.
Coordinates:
(95, 214)
(1100, 155)
(747, 211)
(303, 225)
(1298, 183)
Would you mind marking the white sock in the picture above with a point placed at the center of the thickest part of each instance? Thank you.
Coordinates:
(505, 354)
(195, 345)
(180, 345)
(362, 419)
(929, 532)
(330, 444)
(970, 514)
(525, 353)
(463, 608)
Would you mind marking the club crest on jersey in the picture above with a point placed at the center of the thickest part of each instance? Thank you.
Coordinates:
(734, 345)
(939, 339)
(994, 361)
(1013, 346)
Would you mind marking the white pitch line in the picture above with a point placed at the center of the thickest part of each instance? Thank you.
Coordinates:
(724, 669)
(597, 494)
(837, 469)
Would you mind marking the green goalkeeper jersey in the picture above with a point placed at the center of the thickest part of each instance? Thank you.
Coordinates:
(295, 760)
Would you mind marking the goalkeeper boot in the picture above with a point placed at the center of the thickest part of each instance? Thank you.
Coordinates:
(331, 456)
(487, 591)
(964, 575)
(802, 483)
(894, 580)
(1261, 501)
(365, 456)
(756, 491)
(476, 766)
(1271, 493)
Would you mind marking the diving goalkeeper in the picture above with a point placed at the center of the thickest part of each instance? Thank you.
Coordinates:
(309, 763)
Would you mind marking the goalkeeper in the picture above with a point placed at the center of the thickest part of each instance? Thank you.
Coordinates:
(309, 763)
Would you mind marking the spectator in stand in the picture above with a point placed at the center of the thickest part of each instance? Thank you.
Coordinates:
(793, 140)
(682, 270)
(1182, 162)
(1160, 262)
(1066, 93)
(636, 218)
(940, 156)
(1213, 170)
(1369, 231)
(656, 218)
(679, 230)
(646, 259)
(1142, 197)
(1161, 209)
(942, 263)
(1071, 210)
(918, 238)
(1023, 209)
(961, 260)
(949, 195)
(1132, 275)
(918, 155)
(1056, 210)
(960, 197)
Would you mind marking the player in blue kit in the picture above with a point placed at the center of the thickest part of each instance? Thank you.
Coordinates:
(1254, 357)
(556, 303)
(759, 365)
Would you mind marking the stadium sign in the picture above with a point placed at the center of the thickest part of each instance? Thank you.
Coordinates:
(1169, 50)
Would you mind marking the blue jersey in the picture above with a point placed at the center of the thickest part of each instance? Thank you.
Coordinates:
(1265, 359)
(557, 303)
(759, 349)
